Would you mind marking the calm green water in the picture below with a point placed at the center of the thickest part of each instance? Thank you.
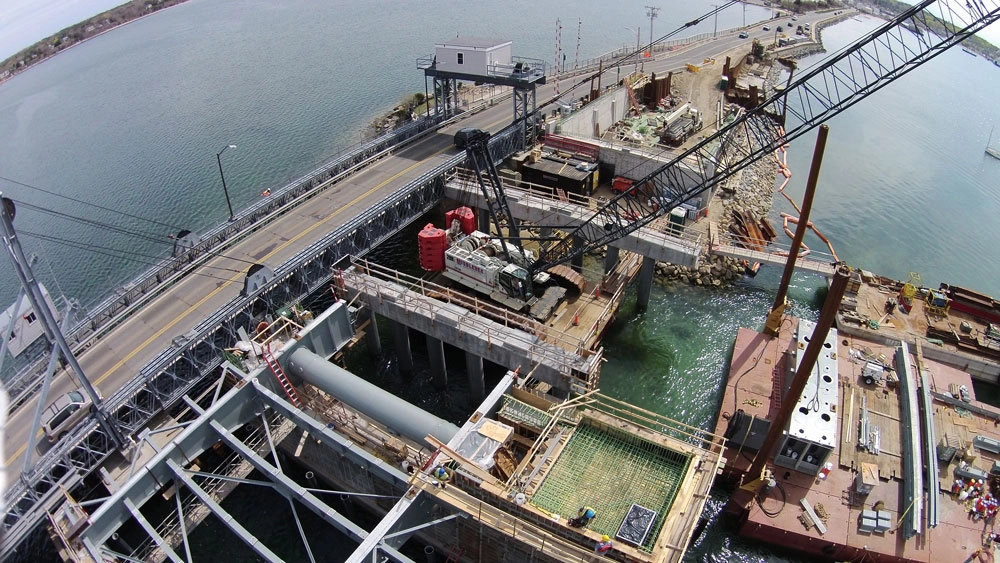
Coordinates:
(131, 121)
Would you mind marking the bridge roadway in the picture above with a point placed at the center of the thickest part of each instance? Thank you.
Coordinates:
(118, 357)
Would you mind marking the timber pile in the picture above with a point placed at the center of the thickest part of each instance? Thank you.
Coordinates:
(749, 232)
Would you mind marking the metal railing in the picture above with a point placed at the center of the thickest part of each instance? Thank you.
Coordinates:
(149, 284)
(621, 55)
(538, 338)
(528, 191)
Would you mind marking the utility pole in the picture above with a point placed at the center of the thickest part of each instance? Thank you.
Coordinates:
(651, 12)
(715, 26)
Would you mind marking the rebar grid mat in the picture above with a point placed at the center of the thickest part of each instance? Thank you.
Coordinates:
(610, 472)
(524, 413)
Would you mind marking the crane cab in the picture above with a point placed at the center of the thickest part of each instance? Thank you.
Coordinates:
(513, 282)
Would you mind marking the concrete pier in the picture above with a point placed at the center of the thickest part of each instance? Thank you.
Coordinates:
(645, 282)
(477, 382)
(541, 209)
(401, 335)
(435, 353)
(577, 261)
(548, 356)
(372, 339)
(611, 259)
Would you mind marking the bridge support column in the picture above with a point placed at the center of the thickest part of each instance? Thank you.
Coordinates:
(484, 220)
(435, 351)
(372, 339)
(477, 384)
(645, 282)
(577, 262)
(545, 232)
(401, 334)
(611, 259)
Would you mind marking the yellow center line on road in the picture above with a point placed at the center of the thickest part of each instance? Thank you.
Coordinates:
(231, 280)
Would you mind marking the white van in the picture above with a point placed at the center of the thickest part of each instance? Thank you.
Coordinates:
(64, 413)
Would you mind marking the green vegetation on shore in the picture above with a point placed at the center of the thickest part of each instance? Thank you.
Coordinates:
(936, 26)
(79, 32)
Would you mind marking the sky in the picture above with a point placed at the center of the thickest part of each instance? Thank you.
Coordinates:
(24, 22)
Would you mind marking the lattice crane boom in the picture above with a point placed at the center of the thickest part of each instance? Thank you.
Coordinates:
(477, 148)
(822, 92)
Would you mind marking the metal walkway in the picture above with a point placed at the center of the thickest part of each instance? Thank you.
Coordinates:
(774, 254)
(774, 257)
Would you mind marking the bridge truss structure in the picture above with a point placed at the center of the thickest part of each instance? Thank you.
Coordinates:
(185, 367)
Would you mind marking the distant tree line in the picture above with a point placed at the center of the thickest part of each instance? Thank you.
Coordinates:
(76, 33)
(936, 26)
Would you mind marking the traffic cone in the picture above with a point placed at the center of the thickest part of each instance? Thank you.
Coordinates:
(576, 319)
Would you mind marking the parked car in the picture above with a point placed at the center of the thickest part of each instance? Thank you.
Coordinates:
(64, 413)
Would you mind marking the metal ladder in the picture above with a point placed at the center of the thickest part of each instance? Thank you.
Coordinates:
(279, 374)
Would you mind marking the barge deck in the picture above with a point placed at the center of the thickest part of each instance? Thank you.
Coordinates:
(957, 333)
(861, 502)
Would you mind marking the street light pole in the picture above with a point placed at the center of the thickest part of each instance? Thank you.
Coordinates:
(715, 26)
(225, 190)
(637, 47)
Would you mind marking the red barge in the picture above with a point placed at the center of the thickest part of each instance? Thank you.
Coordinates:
(865, 469)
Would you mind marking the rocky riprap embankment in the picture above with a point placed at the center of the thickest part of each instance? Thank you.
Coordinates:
(752, 190)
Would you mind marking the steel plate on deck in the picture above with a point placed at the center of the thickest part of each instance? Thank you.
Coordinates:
(635, 527)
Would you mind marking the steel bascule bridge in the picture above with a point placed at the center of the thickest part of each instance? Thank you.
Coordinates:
(190, 365)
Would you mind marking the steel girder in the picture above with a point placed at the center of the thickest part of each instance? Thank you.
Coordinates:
(250, 403)
(524, 114)
(446, 97)
(844, 79)
(178, 369)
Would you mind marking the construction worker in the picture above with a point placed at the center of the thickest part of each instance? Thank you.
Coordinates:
(441, 475)
(583, 517)
(604, 545)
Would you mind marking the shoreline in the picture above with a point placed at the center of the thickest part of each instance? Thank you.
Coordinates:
(10, 74)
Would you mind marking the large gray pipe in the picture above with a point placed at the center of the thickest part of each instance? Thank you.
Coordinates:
(399, 415)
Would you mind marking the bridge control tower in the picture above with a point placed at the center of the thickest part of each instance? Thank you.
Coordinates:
(482, 61)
